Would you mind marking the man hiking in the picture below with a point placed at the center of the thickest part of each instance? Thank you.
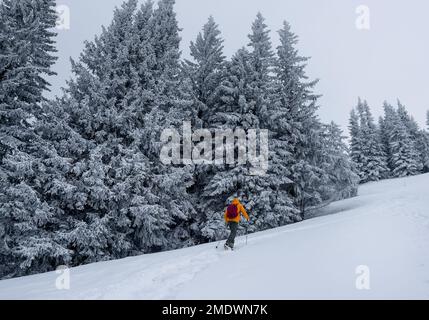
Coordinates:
(232, 217)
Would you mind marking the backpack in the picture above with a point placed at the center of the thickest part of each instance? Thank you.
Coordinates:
(232, 211)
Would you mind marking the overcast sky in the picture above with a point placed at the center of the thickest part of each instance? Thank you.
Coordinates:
(386, 62)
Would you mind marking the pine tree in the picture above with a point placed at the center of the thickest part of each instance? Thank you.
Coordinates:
(422, 141)
(294, 117)
(232, 110)
(404, 159)
(367, 149)
(414, 132)
(25, 61)
(386, 128)
(29, 221)
(342, 176)
(206, 72)
(207, 68)
(243, 98)
(139, 204)
(375, 167)
(356, 142)
(262, 63)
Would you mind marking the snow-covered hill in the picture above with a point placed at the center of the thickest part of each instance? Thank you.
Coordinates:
(385, 229)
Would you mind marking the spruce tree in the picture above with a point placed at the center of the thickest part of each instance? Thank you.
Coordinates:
(207, 68)
(414, 132)
(231, 111)
(356, 143)
(206, 72)
(423, 147)
(375, 167)
(342, 176)
(28, 164)
(296, 124)
(367, 150)
(386, 129)
(243, 98)
(404, 159)
(140, 204)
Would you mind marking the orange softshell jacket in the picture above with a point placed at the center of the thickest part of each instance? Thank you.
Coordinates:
(240, 210)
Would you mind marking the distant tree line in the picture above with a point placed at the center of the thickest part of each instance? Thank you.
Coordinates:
(394, 147)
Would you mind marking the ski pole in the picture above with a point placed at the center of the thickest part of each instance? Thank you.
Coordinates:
(246, 233)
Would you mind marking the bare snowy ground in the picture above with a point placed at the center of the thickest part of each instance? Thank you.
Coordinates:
(385, 229)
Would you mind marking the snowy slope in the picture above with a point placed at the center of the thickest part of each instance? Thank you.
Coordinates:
(385, 228)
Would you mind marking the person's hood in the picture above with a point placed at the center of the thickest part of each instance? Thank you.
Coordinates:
(235, 201)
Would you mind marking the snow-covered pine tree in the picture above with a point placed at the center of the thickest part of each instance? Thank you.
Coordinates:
(384, 143)
(341, 171)
(231, 111)
(404, 159)
(121, 107)
(386, 127)
(206, 72)
(25, 61)
(375, 166)
(414, 132)
(356, 153)
(425, 137)
(422, 142)
(207, 68)
(262, 63)
(295, 125)
(243, 99)
(28, 220)
(174, 104)
(97, 107)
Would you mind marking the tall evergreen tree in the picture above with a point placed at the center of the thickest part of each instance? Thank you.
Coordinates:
(414, 132)
(244, 97)
(386, 127)
(296, 125)
(422, 141)
(206, 72)
(367, 151)
(356, 142)
(207, 68)
(404, 159)
(262, 63)
(121, 108)
(28, 221)
(375, 167)
(27, 52)
(342, 176)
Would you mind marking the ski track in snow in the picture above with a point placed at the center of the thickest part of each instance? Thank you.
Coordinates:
(386, 227)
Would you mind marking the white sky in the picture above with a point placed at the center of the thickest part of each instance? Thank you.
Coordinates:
(389, 61)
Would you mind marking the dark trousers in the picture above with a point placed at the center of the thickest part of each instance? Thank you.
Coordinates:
(233, 226)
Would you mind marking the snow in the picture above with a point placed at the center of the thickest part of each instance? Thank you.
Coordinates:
(385, 228)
